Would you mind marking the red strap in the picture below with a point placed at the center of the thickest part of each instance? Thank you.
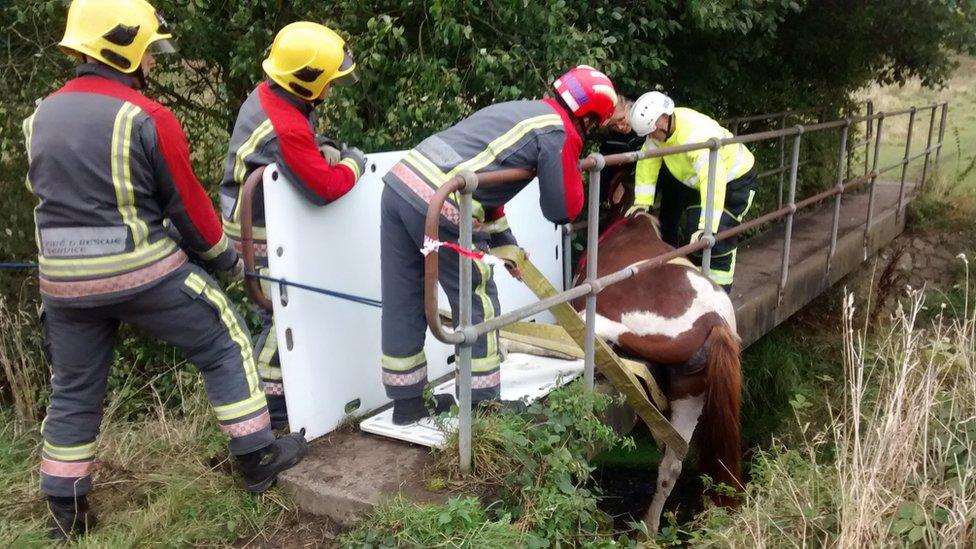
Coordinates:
(299, 150)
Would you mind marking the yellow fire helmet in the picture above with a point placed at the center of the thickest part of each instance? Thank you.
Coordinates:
(306, 57)
(115, 32)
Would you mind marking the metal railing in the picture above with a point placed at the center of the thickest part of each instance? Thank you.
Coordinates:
(466, 333)
(781, 119)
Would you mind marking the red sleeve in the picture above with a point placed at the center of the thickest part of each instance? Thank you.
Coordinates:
(304, 163)
(572, 180)
(495, 213)
(176, 153)
(303, 159)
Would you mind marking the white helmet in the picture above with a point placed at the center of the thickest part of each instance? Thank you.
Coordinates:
(647, 109)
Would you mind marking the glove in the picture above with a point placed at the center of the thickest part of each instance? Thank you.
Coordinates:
(354, 159)
(638, 208)
(329, 149)
(229, 276)
(696, 236)
(330, 154)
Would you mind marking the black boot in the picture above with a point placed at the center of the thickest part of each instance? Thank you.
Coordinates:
(261, 468)
(412, 410)
(492, 405)
(70, 516)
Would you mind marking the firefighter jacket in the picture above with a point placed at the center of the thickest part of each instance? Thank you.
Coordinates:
(274, 126)
(109, 167)
(536, 135)
(691, 168)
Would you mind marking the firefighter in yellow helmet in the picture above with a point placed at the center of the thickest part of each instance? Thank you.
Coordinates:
(108, 166)
(276, 124)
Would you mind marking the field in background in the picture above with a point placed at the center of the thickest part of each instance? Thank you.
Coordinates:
(959, 152)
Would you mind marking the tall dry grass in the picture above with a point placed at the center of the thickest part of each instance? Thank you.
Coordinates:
(23, 372)
(896, 465)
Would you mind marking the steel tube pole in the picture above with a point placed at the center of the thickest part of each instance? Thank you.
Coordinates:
(592, 248)
(788, 236)
(942, 127)
(868, 131)
(567, 255)
(841, 174)
(464, 348)
(874, 180)
(709, 212)
(928, 146)
(782, 163)
(904, 166)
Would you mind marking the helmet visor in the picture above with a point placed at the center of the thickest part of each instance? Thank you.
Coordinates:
(347, 70)
(162, 47)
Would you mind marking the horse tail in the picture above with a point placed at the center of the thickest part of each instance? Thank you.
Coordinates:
(721, 451)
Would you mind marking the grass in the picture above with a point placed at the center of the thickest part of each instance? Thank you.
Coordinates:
(958, 158)
(161, 481)
(896, 465)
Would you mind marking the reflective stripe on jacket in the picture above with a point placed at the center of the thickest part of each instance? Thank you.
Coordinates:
(691, 168)
(535, 135)
(109, 166)
(274, 126)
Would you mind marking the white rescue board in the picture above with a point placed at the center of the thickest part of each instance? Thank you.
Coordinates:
(330, 348)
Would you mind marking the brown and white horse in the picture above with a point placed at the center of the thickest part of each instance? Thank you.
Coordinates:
(677, 319)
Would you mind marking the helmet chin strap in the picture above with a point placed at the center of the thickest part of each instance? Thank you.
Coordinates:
(670, 129)
(140, 76)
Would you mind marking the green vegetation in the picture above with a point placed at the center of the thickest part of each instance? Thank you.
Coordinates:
(532, 474)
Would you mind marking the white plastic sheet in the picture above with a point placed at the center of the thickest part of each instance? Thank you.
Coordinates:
(330, 348)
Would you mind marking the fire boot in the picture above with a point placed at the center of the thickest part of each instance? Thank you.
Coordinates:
(491, 405)
(260, 468)
(411, 410)
(70, 516)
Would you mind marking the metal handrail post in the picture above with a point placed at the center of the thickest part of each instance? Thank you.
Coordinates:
(841, 174)
(942, 127)
(464, 348)
(868, 130)
(567, 255)
(592, 248)
(928, 146)
(904, 165)
(874, 180)
(794, 166)
(709, 235)
(782, 162)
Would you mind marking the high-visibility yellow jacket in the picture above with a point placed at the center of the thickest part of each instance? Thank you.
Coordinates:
(691, 168)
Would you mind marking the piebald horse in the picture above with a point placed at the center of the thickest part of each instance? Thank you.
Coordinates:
(677, 319)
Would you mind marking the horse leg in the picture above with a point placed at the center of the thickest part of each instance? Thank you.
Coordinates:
(684, 417)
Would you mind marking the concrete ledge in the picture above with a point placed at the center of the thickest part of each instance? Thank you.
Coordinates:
(347, 473)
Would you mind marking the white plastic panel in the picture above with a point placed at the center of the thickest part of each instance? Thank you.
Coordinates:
(330, 348)
(524, 377)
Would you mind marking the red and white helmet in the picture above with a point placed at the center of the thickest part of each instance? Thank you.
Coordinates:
(586, 90)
